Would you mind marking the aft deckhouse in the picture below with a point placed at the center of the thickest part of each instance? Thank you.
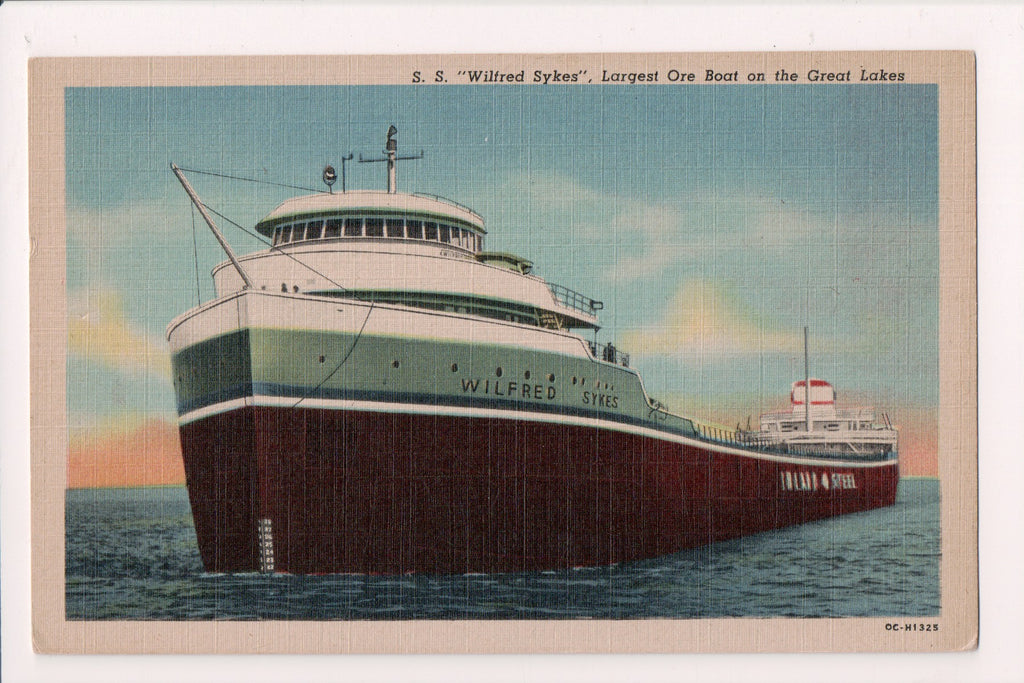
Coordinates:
(822, 426)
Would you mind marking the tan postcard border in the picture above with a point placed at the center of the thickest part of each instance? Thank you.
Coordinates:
(954, 72)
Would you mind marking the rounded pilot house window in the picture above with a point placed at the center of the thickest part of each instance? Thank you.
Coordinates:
(396, 227)
(353, 227)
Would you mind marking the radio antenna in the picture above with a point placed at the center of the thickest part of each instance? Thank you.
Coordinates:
(807, 385)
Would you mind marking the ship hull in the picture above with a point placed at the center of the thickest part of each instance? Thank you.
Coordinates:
(328, 490)
(322, 435)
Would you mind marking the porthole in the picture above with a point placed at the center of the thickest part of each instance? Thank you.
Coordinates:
(583, 382)
(574, 379)
(455, 367)
(498, 372)
(322, 359)
(526, 374)
(551, 377)
(395, 363)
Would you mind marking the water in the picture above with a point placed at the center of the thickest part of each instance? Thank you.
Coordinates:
(132, 554)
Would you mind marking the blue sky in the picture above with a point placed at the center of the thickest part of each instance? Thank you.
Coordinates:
(713, 221)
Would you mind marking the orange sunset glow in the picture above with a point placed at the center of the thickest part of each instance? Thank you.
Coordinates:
(147, 454)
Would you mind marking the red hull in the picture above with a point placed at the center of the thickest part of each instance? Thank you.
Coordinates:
(393, 493)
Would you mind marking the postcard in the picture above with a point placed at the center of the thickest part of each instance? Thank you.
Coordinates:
(507, 353)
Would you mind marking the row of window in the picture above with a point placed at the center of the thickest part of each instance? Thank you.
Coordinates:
(830, 426)
(404, 228)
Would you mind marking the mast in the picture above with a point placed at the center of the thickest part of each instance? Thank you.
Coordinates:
(213, 227)
(391, 148)
(391, 156)
(807, 385)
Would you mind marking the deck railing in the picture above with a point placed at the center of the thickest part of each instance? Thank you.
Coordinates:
(770, 443)
(573, 299)
(454, 203)
(609, 354)
(819, 413)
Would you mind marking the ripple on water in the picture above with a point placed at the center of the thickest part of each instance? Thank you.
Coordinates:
(131, 554)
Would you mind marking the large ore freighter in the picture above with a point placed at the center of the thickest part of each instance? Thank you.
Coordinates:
(376, 393)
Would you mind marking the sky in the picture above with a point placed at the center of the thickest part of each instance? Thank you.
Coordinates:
(714, 222)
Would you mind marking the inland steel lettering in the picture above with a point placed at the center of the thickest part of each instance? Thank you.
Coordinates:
(509, 389)
(814, 481)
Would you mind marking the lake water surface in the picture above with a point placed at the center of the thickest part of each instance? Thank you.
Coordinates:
(132, 554)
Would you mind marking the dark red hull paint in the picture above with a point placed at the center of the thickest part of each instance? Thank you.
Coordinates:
(394, 493)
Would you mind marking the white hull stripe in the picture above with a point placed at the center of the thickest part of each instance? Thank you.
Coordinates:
(525, 416)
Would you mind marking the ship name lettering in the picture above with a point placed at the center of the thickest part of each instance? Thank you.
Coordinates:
(536, 392)
(600, 400)
(555, 76)
(494, 76)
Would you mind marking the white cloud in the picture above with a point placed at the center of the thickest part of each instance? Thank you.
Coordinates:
(652, 236)
(702, 318)
(99, 331)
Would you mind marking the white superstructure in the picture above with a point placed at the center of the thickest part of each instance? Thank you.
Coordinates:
(824, 426)
(391, 247)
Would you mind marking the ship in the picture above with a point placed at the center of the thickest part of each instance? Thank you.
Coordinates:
(375, 392)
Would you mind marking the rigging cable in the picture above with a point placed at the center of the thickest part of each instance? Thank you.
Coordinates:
(248, 180)
(337, 367)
